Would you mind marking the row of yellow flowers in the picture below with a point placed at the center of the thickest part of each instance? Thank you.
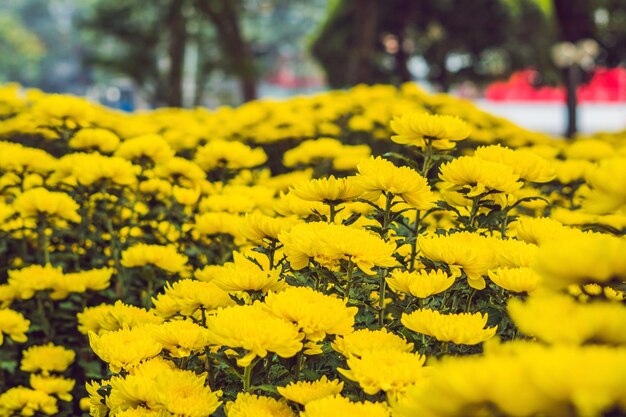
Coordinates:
(372, 252)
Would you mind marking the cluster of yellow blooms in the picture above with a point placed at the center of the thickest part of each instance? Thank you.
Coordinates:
(375, 252)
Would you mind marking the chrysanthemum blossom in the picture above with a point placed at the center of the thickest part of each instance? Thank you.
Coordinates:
(461, 329)
(377, 175)
(416, 128)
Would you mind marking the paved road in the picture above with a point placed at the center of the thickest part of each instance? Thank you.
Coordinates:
(551, 118)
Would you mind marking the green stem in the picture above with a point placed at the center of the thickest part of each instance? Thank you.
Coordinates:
(505, 222)
(414, 242)
(428, 152)
(43, 316)
(349, 273)
(469, 300)
(298, 367)
(44, 242)
(473, 212)
(381, 299)
(207, 357)
(387, 215)
(333, 212)
(271, 253)
(247, 376)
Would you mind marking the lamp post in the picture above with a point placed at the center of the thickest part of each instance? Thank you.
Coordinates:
(573, 58)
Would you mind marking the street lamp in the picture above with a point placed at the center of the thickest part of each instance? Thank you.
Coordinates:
(572, 58)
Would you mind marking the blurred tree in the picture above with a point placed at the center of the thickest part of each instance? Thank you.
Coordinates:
(22, 49)
(441, 31)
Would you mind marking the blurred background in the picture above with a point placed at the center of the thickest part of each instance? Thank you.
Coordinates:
(517, 58)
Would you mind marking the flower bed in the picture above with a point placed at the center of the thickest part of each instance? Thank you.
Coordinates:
(371, 252)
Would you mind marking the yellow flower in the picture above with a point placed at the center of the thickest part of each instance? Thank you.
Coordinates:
(315, 313)
(106, 318)
(150, 148)
(17, 158)
(26, 402)
(588, 258)
(95, 138)
(364, 340)
(39, 201)
(476, 176)
(527, 165)
(243, 275)
(79, 282)
(186, 196)
(255, 331)
(125, 348)
(388, 371)
(415, 128)
(329, 243)
(46, 358)
(341, 406)
(27, 281)
(158, 384)
(420, 284)
(181, 337)
(516, 279)
(256, 226)
(311, 152)
(212, 224)
(607, 193)
(329, 190)
(187, 296)
(52, 385)
(304, 392)
(461, 329)
(166, 258)
(231, 155)
(467, 251)
(377, 175)
(14, 325)
(180, 171)
(558, 319)
(248, 405)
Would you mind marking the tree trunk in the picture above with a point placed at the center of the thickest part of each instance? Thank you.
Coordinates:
(361, 68)
(176, 51)
(224, 15)
(405, 17)
(575, 18)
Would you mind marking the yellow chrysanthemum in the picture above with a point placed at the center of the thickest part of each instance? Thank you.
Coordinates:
(527, 165)
(150, 148)
(163, 387)
(341, 406)
(95, 138)
(304, 392)
(248, 405)
(46, 358)
(26, 402)
(255, 331)
(559, 319)
(315, 313)
(476, 176)
(231, 155)
(166, 258)
(330, 190)
(39, 201)
(256, 226)
(388, 371)
(377, 175)
(467, 251)
(181, 337)
(107, 318)
(420, 284)
(329, 243)
(588, 258)
(607, 193)
(365, 340)
(462, 329)
(516, 279)
(58, 386)
(415, 128)
(187, 296)
(125, 348)
(243, 275)
(14, 325)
